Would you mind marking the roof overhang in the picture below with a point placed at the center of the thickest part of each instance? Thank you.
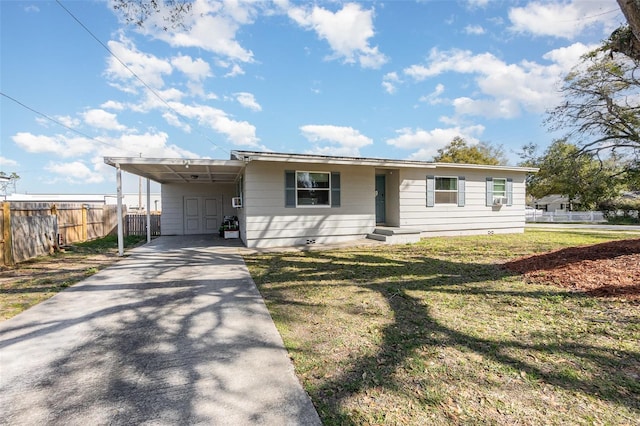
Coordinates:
(247, 156)
(180, 170)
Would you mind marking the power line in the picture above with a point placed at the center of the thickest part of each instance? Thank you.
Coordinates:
(136, 75)
(584, 18)
(59, 123)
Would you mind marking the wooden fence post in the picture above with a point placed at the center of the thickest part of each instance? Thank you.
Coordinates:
(84, 222)
(57, 242)
(6, 230)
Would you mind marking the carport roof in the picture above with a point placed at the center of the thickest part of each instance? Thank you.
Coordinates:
(179, 170)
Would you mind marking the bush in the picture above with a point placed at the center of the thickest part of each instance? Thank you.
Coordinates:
(621, 210)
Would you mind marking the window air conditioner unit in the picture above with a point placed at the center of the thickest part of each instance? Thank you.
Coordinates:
(236, 202)
(499, 201)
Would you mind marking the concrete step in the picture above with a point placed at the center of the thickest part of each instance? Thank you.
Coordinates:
(377, 237)
(393, 235)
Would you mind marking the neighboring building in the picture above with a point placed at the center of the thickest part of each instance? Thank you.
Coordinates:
(552, 203)
(296, 199)
(130, 200)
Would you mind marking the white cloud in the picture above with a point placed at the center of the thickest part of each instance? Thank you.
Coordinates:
(474, 29)
(427, 142)
(434, 97)
(74, 172)
(492, 108)
(390, 81)
(152, 145)
(115, 105)
(59, 145)
(235, 71)
(102, 119)
(505, 90)
(563, 19)
(568, 57)
(147, 67)
(347, 31)
(4, 161)
(247, 100)
(65, 120)
(194, 69)
(212, 26)
(237, 132)
(175, 121)
(345, 141)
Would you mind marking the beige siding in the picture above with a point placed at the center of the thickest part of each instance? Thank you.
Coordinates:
(474, 218)
(173, 202)
(269, 223)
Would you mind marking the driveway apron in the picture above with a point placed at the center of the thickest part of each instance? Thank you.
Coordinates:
(175, 333)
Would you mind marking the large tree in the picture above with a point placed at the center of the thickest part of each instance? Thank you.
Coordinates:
(601, 111)
(602, 103)
(626, 39)
(459, 151)
(165, 14)
(584, 179)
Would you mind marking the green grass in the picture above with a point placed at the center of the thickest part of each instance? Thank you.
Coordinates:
(438, 333)
(109, 242)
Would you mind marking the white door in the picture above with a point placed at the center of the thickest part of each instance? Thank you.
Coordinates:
(192, 221)
(211, 218)
(202, 215)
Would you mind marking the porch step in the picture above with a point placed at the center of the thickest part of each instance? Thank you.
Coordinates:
(393, 235)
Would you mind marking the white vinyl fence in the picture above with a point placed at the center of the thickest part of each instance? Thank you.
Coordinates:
(542, 216)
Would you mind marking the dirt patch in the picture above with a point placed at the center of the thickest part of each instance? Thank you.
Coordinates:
(607, 269)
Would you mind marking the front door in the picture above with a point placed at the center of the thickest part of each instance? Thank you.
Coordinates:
(380, 199)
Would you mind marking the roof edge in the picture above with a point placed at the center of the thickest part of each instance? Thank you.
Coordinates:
(247, 156)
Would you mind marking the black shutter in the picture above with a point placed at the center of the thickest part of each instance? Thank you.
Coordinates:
(335, 189)
(289, 188)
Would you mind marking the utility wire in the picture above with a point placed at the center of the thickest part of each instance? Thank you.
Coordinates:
(59, 123)
(584, 18)
(136, 75)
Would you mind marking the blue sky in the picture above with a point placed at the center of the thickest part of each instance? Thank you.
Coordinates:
(390, 79)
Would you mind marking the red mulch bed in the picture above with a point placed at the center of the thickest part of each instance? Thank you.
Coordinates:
(608, 269)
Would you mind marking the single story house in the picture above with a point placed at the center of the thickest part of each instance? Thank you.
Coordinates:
(297, 199)
(553, 203)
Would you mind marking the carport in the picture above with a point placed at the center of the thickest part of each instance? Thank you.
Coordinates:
(168, 171)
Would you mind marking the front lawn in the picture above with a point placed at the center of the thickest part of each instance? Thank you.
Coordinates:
(439, 333)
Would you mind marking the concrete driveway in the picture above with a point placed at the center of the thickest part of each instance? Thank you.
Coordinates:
(176, 333)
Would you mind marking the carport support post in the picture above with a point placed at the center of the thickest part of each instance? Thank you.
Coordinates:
(119, 211)
(148, 210)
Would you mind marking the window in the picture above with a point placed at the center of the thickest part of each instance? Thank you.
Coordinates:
(445, 190)
(307, 189)
(499, 191)
(312, 188)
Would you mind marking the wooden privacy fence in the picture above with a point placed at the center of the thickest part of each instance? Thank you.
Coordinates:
(31, 229)
(136, 224)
